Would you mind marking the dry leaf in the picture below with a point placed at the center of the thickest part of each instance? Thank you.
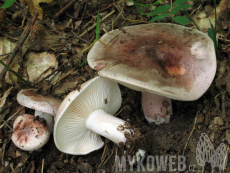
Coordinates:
(3, 99)
(7, 46)
(39, 65)
(34, 6)
(207, 16)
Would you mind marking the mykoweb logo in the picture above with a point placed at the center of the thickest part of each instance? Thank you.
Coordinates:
(205, 153)
(160, 163)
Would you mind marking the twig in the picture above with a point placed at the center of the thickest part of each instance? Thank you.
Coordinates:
(3, 110)
(119, 111)
(222, 128)
(5, 54)
(103, 154)
(57, 51)
(194, 126)
(100, 10)
(84, 11)
(6, 123)
(4, 146)
(108, 158)
(120, 10)
(12, 116)
(42, 165)
(49, 75)
(115, 21)
(23, 65)
(20, 43)
(223, 106)
(115, 159)
(16, 74)
(16, 50)
(80, 38)
(64, 9)
(95, 24)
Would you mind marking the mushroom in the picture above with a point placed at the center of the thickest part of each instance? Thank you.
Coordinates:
(168, 60)
(45, 106)
(29, 133)
(85, 115)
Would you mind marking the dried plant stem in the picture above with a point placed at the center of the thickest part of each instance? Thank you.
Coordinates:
(20, 43)
(194, 126)
(11, 117)
(64, 9)
(95, 24)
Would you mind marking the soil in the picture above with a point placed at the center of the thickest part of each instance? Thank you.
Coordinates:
(179, 137)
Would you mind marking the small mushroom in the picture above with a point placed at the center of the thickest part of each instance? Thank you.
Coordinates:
(29, 133)
(45, 106)
(85, 115)
(168, 60)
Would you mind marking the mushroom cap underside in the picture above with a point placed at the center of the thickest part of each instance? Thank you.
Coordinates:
(70, 133)
(165, 59)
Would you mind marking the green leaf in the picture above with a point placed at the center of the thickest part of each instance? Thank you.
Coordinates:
(98, 26)
(179, 2)
(8, 3)
(162, 16)
(83, 62)
(178, 8)
(211, 34)
(181, 20)
(161, 9)
(190, 17)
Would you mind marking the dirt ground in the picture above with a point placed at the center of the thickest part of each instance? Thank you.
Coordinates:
(66, 35)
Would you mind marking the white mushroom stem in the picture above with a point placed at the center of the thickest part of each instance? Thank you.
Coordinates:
(156, 108)
(108, 126)
(48, 117)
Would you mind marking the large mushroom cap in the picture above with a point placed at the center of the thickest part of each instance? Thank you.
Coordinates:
(165, 59)
(70, 133)
(29, 134)
(29, 98)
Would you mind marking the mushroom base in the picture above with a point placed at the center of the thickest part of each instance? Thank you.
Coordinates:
(108, 126)
(156, 108)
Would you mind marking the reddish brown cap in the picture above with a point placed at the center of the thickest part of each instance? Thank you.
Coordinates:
(29, 134)
(29, 98)
(161, 58)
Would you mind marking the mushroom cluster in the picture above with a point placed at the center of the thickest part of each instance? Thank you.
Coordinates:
(31, 133)
(164, 61)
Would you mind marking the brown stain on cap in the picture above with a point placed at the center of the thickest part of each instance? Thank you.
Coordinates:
(155, 53)
(29, 129)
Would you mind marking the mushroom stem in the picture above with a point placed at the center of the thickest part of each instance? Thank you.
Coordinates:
(48, 117)
(156, 108)
(108, 126)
